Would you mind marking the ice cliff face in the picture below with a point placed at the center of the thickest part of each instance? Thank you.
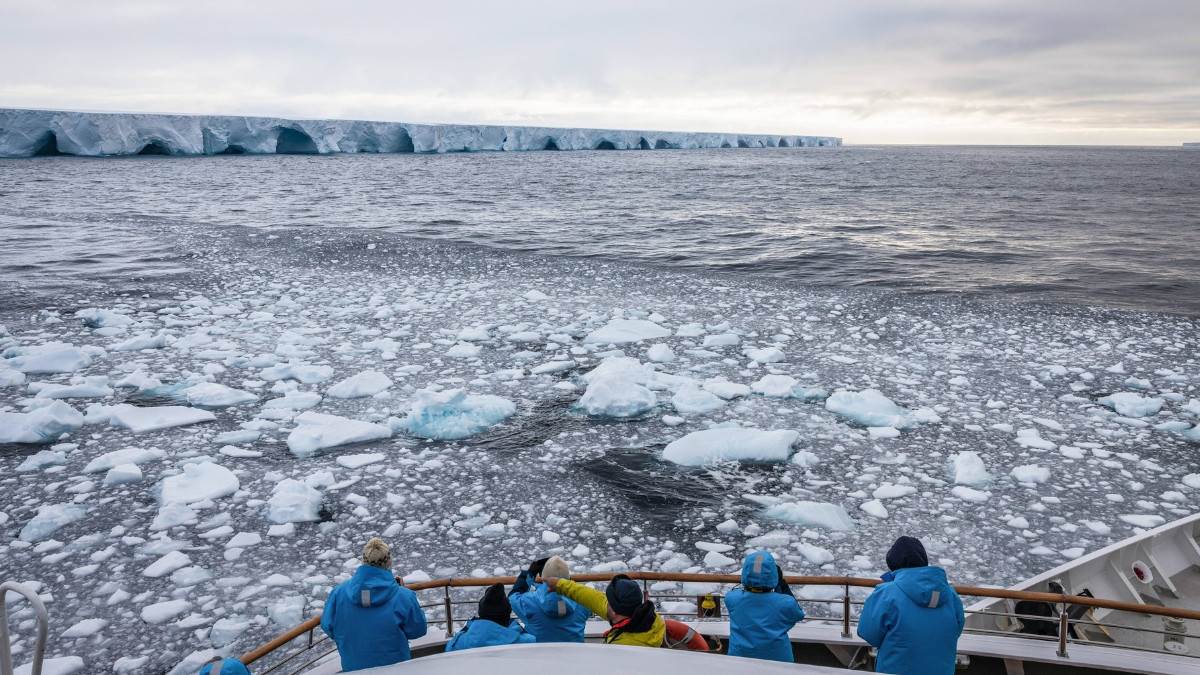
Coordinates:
(29, 133)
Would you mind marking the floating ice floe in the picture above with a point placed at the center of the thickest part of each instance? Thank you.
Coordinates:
(213, 395)
(616, 388)
(94, 317)
(464, 350)
(765, 355)
(122, 474)
(359, 461)
(294, 501)
(970, 494)
(622, 331)
(726, 389)
(317, 431)
(690, 399)
(812, 514)
(967, 468)
(660, 353)
(59, 665)
(49, 358)
(366, 383)
(111, 460)
(143, 341)
(1030, 473)
(777, 386)
(870, 408)
(700, 448)
(454, 414)
(1130, 404)
(299, 371)
(294, 399)
(40, 460)
(88, 387)
(198, 482)
(49, 519)
(42, 425)
(144, 420)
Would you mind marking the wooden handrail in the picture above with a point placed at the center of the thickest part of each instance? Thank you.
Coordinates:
(859, 582)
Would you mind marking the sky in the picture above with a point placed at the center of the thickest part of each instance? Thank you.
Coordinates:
(902, 71)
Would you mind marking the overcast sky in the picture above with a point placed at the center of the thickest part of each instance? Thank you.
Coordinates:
(899, 71)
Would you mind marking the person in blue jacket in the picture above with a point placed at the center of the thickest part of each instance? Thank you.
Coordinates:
(224, 667)
(371, 617)
(762, 611)
(914, 617)
(494, 626)
(548, 616)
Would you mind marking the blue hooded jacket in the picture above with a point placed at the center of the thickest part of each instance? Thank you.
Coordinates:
(759, 619)
(914, 621)
(228, 667)
(484, 633)
(548, 616)
(372, 618)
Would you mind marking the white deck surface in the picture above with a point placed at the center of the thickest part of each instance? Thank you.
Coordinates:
(590, 659)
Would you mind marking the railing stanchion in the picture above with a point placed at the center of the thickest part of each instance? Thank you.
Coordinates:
(1063, 630)
(449, 612)
(310, 638)
(846, 612)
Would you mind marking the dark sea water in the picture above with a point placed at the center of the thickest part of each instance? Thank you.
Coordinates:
(1109, 227)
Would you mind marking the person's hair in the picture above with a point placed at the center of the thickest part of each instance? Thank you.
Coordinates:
(377, 554)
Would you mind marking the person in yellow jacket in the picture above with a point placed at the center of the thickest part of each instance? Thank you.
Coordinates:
(633, 619)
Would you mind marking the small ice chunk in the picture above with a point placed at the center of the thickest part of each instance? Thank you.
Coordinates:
(464, 350)
(622, 331)
(893, 491)
(131, 455)
(692, 400)
(162, 612)
(213, 395)
(244, 540)
(42, 425)
(726, 389)
(122, 474)
(869, 408)
(777, 386)
(883, 432)
(61, 665)
(1030, 473)
(812, 514)
(722, 340)
(704, 447)
(968, 469)
(1144, 520)
(85, 628)
(1030, 438)
(359, 461)
(970, 494)
(49, 519)
(316, 431)
(199, 481)
(168, 563)
(616, 396)
(660, 353)
(765, 355)
(294, 502)
(142, 420)
(874, 508)
(41, 460)
(1130, 404)
(453, 414)
(51, 357)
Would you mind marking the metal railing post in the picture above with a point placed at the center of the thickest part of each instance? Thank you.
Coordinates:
(43, 628)
(1063, 629)
(846, 612)
(449, 612)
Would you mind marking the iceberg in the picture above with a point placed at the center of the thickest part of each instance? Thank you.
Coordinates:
(731, 443)
(454, 414)
(29, 133)
(43, 425)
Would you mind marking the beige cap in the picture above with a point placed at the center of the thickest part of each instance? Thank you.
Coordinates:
(556, 567)
(377, 554)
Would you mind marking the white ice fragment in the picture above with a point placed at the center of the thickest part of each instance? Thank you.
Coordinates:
(316, 431)
(162, 612)
(722, 340)
(893, 491)
(198, 482)
(122, 474)
(1030, 473)
(59, 665)
(726, 389)
(359, 461)
(453, 414)
(42, 425)
(168, 563)
(814, 554)
(294, 502)
(968, 469)
(244, 540)
(874, 508)
(41, 460)
(116, 458)
(141, 420)
(883, 432)
(1130, 404)
(704, 447)
(869, 408)
(616, 396)
(1030, 438)
(778, 386)
(51, 357)
(213, 395)
(1144, 520)
(622, 331)
(464, 350)
(969, 494)
(812, 514)
(49, 518)
(765, 355)
(85, 628)
(660, 353)
(692, 400)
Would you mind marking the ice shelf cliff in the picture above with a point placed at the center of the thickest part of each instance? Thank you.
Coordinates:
(30, 133)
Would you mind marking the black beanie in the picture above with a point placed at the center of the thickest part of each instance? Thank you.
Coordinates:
(624, 595)
(906, 552)
(494, 606)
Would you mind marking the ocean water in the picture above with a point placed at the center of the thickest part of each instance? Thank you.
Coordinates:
(1002, 293)
(1110, 227)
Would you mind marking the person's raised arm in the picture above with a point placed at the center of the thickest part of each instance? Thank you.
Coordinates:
(587, 596)
(412, 617)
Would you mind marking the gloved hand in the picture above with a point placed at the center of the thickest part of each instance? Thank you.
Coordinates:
(888, 576)
(538, 565)
(781, 586)
(523, 583)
